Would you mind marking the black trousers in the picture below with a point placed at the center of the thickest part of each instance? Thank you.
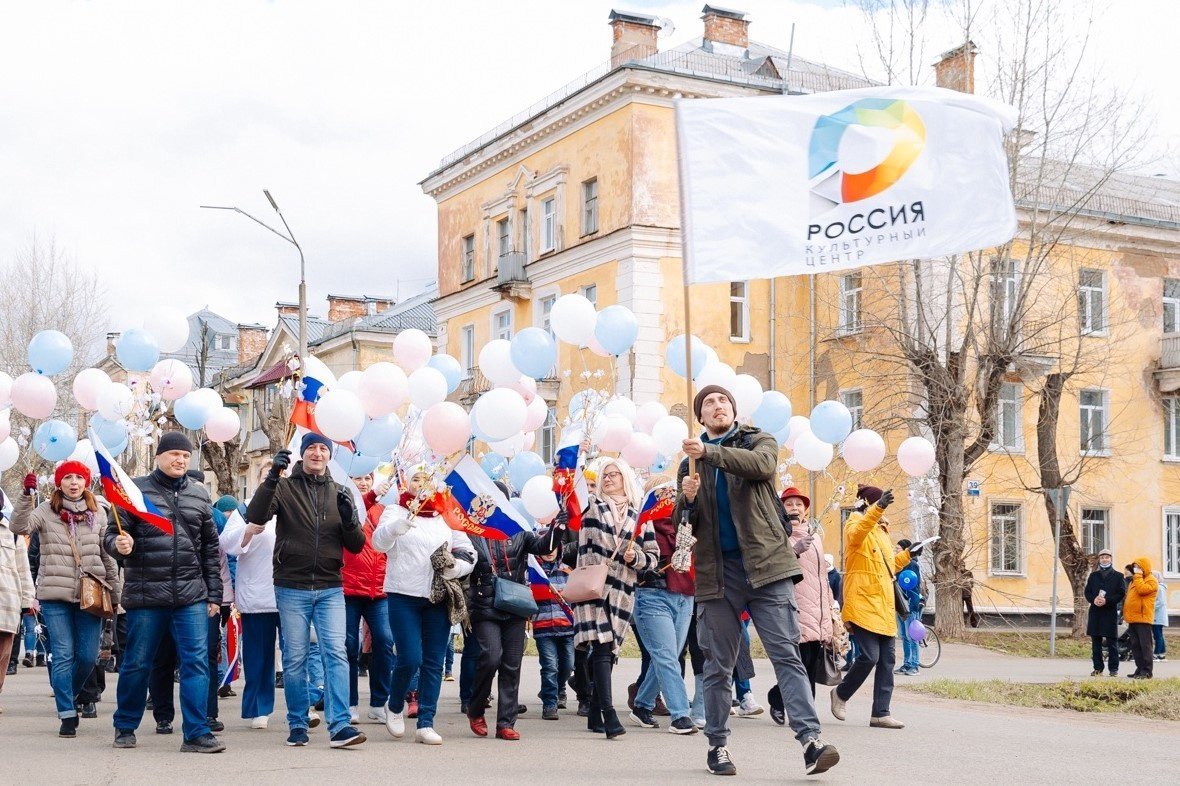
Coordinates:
(876, 652)
(1142, 647)
(1111, 645)
(601, 665)
(162, 683)
(582, 680)
(501, 651)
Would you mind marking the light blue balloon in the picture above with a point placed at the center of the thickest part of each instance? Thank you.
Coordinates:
(494, 465)
(659, 465)
(111, 432)
(518, 503)
(773, 413)
(190, 412)
(782, 434)
(137, 350)
(616, 329)
(523, 467)
(392, 496)
(120, 446)
(674, 355)
(50, 352)
(831, 422)
(355, 464)
(449, 368)
(54, 440)
(534, 352)
(578, 402)
(380, 436)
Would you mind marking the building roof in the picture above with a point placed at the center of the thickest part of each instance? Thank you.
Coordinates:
(316, 327)
(1121, 197)
(415, 312)
(216, 358)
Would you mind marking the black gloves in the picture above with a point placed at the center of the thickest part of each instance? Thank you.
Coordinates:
(280, 462)
(792, 518)
(886, 499)
(562, 520)
(345, 507)
(916, 551)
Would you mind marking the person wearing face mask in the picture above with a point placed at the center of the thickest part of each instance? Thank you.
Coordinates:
(1105, 590)
(1139, 612)
(69, 525)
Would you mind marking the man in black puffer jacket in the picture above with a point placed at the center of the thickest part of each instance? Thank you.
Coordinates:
(170, 583)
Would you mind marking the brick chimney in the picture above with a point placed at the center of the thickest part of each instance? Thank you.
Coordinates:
(287, 309)
(251, 342)
(341, 307)
(955, 70)
(726, 27)
(112, 339)
(378, 305)
(634, 37)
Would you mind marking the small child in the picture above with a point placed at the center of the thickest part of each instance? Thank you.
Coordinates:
(553, 629)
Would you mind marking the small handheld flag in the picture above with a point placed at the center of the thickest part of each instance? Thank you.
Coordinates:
(122, 491)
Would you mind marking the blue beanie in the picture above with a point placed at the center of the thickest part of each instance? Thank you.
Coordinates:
(311, 438)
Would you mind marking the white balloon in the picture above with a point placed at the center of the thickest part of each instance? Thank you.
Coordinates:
(572, 319)
(509, 447)
(798, 425)
(612, 432)
(84, 452)
(863, 450)
(748, 392)
(647, 414)
(115, 401)
(5, 423)
(669, 432)
(501, 414)
(339, 415)
(495, 361)
(170, 378)
(223, 425)
(641, 451)
(383, 389)
(538, 413)
(168, 326)
(34, 395)
(812, 453)
(350, 380)
(525, 386)
(314, 367)
(5, 389)
(208, 398)
(915, 456)
(86, 386)
(427, 387)
(530, 440)
(717, 374)
(9, 453)
(538, 497)
(411, 349)
(621, 406)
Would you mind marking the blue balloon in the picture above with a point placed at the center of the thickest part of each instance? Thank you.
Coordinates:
(392, 496)
(616, 329)
(355, 464)
(831, 422)
(119, 446)
(534, 352)
(380, 436)
(494, 464)
(54, 440)
(523, 467)
(674, 355)
(111, 432)
(659, 465)
(782, 434)
(578, 402)
(518, 503)
(774, 412)
(907, 580)
(137, 350)
(190, 412)
(50, 352)
(449, 368)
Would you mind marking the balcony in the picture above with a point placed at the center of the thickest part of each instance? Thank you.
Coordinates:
(511, 280)
(1167, 376)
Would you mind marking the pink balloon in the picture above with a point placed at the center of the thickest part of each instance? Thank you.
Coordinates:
(34, 396)
(223, 425)
(536, 415)
(593, 345)
(612, 432)
(915, 456)
(525, 386)
(170, 378)
(446, 427)
(641, 451)
(863, 450)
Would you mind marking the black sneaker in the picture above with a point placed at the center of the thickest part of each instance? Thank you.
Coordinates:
(69, 727)
(297, 738)
(561, 699)
(819, 757)
(216, 725)
(164, 727)
(549, 713)
(521, 709)
(88, 710)
(642, 717)
(682, 726)
(124, 738)
(719, 761)
(346, 737)
(206, 743)
(278, 679)
(774, 700)
(319, 706)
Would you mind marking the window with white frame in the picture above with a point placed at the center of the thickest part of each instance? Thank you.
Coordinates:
(545, 312)
(468, 258)
(590, 206)
(523, 222)
(503, 237)
(1005, 290)
(854, 400)
(1093, 405)
(1009, 423)
(1092, 301)
(1172, 427)
(1172, 540)
(502, 325)
(549, 224)
(590, 292)
(1095, 530)
(547, 439)
(850, 303)
(467, 349)
(739, 311)
(1171, 305)
(1006, 542)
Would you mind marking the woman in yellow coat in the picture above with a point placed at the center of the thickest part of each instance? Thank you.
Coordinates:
(869, 612)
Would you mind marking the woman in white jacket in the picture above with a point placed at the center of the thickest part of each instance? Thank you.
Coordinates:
(410, 533)
(254, 546)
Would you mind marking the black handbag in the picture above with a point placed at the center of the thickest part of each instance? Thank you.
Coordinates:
(827, 667)
(900, 604)
(508, 595)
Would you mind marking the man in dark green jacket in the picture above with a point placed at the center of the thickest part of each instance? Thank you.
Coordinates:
(744, 561)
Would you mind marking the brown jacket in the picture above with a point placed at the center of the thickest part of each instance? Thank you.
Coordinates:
(57, 573)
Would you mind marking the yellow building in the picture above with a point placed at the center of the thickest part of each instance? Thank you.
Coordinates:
(579, 194)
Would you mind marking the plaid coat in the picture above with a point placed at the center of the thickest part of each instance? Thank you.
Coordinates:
(607, 620)
(16, 582)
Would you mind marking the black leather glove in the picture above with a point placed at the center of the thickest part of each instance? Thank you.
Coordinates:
(916, 551)
(280, 462)
(346, 509)
(886, 499)
(562, 520)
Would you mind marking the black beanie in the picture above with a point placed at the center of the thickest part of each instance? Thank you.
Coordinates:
(173, 440)
(311, 438)
(869, 494)
(705, 391)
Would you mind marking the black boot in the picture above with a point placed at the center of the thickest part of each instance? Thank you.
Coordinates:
(602, 663)
(69, 727)
(614, 728)
(594, 716)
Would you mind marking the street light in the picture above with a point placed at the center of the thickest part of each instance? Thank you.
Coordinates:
(290, 238)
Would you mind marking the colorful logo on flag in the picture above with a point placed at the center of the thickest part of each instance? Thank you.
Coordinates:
(831, 180)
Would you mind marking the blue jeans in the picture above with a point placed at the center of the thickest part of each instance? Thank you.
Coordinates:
(420, 629)
(73, 640)
(258, 663)
(467, 666)
(298, 610)
(189, 626)
(33, 645)
(909, 647)
(557, 664)
(449, 663)
(375, 611)
(315, 674)
(1161, 647)
(663, 618)
(740, 686)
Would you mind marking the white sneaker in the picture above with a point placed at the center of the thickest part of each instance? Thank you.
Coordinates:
(699, 722)
(395, 724)
(838, 706)
(378, 714)
(313, 719)
(749, 707)
(428, 736)
(354, 715)
(260, 722)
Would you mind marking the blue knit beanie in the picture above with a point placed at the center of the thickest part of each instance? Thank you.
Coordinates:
(311, 438)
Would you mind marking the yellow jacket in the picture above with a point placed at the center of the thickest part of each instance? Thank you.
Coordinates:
(868, 586)
(1139, 605)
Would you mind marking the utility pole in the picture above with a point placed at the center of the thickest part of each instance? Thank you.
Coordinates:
(1059, 497)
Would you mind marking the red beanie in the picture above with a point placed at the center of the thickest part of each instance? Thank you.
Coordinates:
(70, 468)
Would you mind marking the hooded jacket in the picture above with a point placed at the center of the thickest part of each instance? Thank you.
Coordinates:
(870, 566)
(1139, 605)
(310, 534)
(409, 541)
(813, 595)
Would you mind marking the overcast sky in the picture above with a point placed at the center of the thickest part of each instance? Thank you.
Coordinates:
(119, 119)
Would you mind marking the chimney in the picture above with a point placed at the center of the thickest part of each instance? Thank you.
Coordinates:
(634, 37)
(112, 339)
(378, 305)
(728, 28)
(341, 307)
(287, 309)
(955, 70)
(251, 342)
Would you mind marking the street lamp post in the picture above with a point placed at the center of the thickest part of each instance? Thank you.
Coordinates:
(290, 238)
(1060, 499)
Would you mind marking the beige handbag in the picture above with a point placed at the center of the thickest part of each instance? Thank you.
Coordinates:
(94, 594)
(588, 582)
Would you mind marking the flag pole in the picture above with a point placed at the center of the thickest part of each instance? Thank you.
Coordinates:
(118, 523)
(684, 251)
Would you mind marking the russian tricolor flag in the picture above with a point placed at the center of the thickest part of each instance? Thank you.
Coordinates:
(569, 479)
(122, 492)
(659, 503)
(476, 506)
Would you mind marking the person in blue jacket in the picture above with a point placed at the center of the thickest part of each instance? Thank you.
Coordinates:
(913, 596)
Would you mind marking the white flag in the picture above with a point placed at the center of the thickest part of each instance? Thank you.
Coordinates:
(782, 185)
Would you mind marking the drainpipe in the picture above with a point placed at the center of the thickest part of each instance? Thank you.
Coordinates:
(773, 343)
(811, 383)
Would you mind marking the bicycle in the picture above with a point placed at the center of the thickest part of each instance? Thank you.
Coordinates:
(929, 649)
